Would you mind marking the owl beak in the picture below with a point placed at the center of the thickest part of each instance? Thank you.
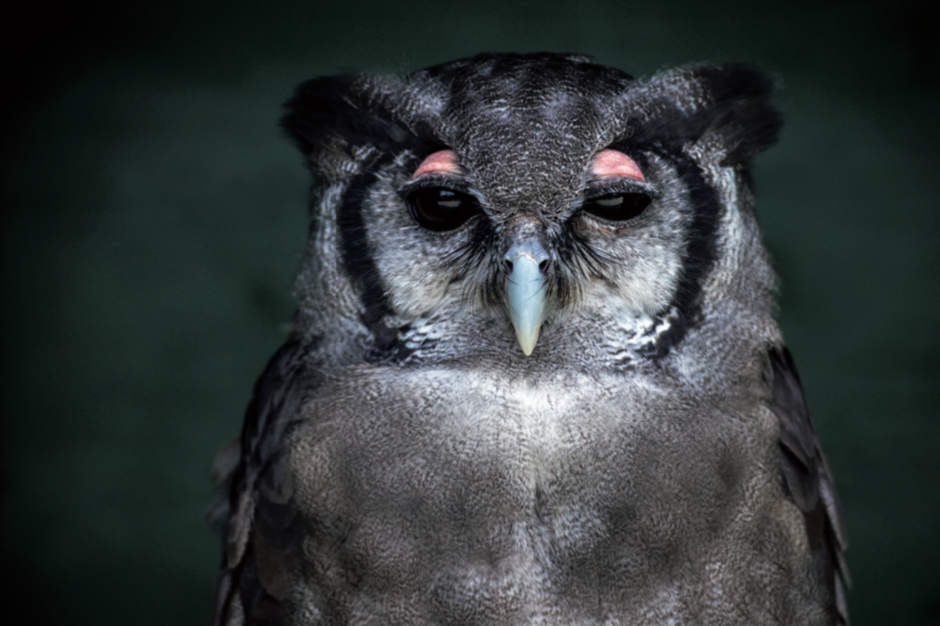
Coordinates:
(525, 291)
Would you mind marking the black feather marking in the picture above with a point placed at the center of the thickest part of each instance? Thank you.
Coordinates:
(276, 399)
(807, 480)
(699, 254)
(359, 262)
(700, 250)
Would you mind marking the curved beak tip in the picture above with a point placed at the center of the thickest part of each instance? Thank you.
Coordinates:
(527, 342)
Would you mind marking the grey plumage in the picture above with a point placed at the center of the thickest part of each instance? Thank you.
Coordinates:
(652, 460)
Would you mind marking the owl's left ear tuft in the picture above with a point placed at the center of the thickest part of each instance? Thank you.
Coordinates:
(738, 108)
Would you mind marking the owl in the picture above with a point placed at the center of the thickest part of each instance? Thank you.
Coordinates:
(534, 375)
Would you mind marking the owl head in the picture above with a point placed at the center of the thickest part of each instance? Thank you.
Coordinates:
(509, 205)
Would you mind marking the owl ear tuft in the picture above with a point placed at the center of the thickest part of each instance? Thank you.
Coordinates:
(737, 108)
(740, 110)
(341, 110)
(726, 108)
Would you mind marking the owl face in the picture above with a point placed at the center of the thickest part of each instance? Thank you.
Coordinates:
(509, 197)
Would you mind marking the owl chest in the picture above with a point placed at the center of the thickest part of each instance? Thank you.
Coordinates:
(492, 495)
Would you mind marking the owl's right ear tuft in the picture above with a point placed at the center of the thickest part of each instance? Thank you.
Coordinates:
(740, 109)
(333, 110)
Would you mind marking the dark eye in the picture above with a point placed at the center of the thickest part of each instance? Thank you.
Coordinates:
(617, 207)
(440, 209)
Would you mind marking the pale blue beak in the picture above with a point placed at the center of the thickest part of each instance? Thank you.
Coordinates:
(525, 291)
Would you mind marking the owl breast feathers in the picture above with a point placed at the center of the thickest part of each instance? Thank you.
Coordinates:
(534, 375)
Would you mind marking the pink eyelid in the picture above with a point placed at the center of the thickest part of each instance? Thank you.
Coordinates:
(615, 163)
(606, 163)
(444, 161)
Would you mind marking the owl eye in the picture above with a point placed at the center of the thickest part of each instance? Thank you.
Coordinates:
(440, 209)
(617, 207)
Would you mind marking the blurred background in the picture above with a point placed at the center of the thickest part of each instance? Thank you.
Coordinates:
(155, 217)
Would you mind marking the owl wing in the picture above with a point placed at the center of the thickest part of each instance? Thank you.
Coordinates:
(807, 480)
(276, 400)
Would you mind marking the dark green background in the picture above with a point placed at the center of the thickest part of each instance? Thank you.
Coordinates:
(155, 217)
